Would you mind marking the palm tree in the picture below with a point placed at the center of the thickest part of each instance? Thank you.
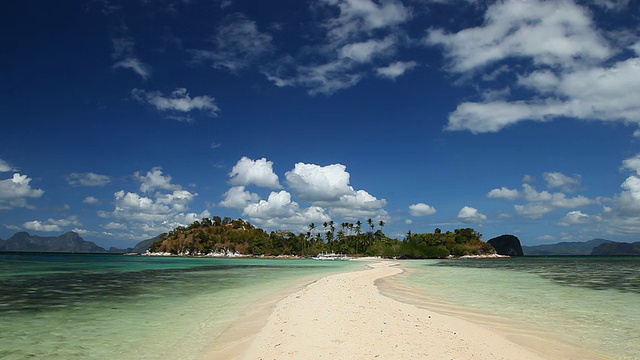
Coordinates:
(332, 231)
(312, 227)
(370, 222)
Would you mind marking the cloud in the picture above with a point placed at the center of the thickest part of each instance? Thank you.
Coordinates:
(559, 180)
(544, 202)
(51, 225)
(504, 193)
(560, 64)
(155, 180)
(356, 206)
(574, 218)
(91, 200)
(254, 172)
(625, 206)
(616, 5)
(328, 187)
(238, 198)
(124, 54)
(162, 207)
(87, 179)
(421, 209)
(179, 102)
(237, 44)
(356, 37)
(36, 225)
(312, 182)
(15, 191)
(136, 65)
(5, 166)
(551, 33)
(396, 69)
(357, 16)
(279, 211)
(470, 214)
(367, 51)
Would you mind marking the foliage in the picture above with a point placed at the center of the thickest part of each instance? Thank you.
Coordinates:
(221, 235)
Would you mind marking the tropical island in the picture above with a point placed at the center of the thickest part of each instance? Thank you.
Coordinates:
(224, 235)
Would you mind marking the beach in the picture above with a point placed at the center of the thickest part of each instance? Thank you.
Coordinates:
(345, 316)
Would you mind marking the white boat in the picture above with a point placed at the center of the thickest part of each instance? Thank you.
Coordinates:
(331, 257)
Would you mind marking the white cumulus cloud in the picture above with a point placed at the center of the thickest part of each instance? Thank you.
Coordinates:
(559, 180)
(238, 198)
(15, 191)
(254, 172)
(155, 180)
(162, 207)
(51, 225)
(470, 214)
(279, 211)
(421, 209)
(574, 218)
(312, 182)
(504, 193)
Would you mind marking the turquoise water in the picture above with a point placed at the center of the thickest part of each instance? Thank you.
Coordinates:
(590, 302)
(68, 306)
(65, 306)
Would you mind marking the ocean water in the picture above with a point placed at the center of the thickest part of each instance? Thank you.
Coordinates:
(71, 306)
(592, 303)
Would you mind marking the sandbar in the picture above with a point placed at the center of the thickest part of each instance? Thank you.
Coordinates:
(344, 316)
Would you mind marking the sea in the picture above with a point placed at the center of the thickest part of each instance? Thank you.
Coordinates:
(89, 306)
(587, 302)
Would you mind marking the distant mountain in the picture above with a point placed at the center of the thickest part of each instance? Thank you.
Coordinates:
(565, 248)
(67, 242)
(143, 246)
(617, 249)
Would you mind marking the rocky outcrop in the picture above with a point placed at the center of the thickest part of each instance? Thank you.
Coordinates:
(507, 245)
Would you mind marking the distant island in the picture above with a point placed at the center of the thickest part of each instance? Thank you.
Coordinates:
(595, 247)
(69, 242)
(226, 236)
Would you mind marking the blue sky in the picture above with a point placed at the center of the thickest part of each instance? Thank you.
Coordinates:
(123, 119)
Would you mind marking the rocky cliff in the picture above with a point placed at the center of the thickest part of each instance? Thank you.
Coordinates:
(507, 245)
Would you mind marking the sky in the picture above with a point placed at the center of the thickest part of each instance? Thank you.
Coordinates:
(121, 120)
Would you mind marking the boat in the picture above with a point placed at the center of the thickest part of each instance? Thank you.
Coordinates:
(330, 257)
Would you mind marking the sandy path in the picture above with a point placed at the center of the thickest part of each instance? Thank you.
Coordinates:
(344, 316)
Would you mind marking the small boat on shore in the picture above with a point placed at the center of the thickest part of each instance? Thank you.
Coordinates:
(331, 257)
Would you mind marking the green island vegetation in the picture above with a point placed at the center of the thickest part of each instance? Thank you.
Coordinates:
(224, 234)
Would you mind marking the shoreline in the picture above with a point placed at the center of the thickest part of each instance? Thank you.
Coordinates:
(346, 316)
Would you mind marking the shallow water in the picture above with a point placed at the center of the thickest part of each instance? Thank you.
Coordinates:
(590, 302)
(68, 306)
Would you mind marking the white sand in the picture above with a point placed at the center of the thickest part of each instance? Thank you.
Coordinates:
(344, 316)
